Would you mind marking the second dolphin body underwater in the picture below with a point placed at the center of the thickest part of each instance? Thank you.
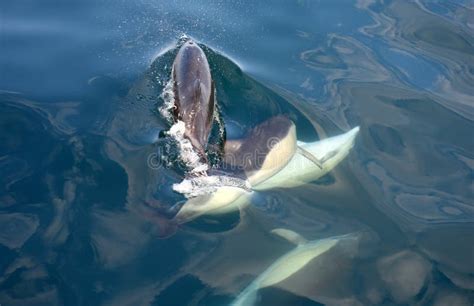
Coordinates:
(288, 264)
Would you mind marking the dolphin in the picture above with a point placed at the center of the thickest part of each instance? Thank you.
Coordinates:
(297, 171)
(288, 264)
(267, 149)
(194, 95)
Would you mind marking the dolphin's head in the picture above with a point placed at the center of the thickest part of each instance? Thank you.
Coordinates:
(193, 94)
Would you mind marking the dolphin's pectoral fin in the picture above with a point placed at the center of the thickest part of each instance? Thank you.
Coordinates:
(329, 155)
(173, 210)
(318, 162)
(311, 157)
(290, 236)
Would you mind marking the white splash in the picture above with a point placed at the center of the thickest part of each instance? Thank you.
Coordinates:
(202, 185)
(169, 103)
(188, 155)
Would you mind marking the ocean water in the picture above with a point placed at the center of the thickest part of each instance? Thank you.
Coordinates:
(85, 215)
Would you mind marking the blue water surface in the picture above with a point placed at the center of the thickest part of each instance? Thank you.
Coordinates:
(85, 220)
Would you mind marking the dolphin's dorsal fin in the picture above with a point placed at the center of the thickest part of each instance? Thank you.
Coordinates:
(290, 236)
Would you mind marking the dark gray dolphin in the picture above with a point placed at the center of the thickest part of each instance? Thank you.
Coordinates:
(194, 95)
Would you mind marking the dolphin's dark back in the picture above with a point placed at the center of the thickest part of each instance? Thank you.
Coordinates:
(194, 94)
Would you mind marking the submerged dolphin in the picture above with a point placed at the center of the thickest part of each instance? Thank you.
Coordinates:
(288, 264)
(194, 95)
